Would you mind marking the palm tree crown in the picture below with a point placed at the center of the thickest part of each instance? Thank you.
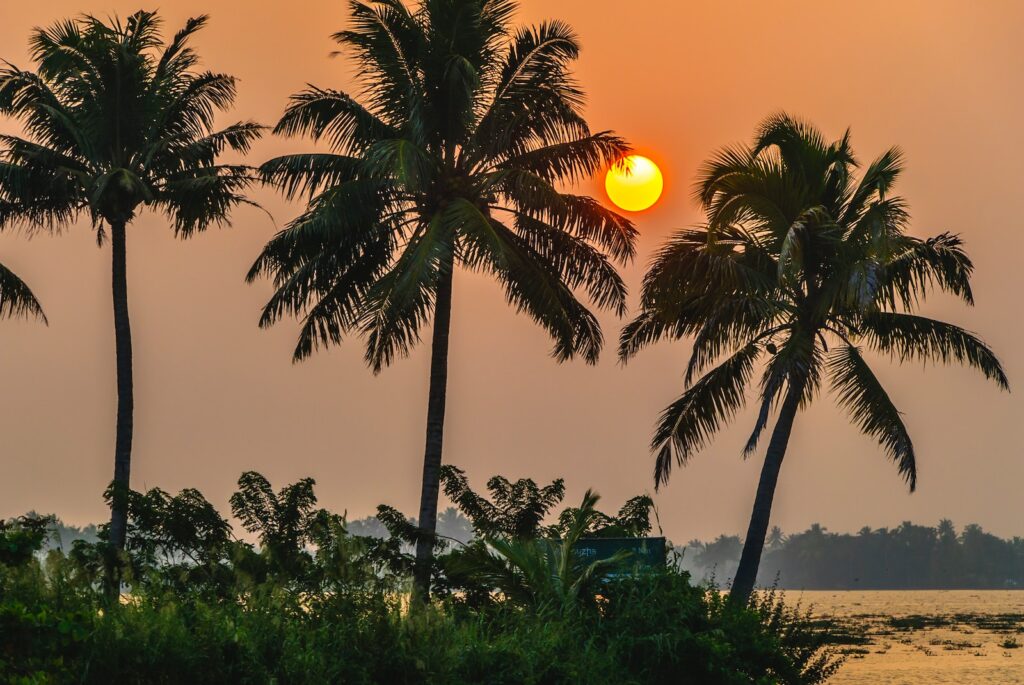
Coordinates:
(453, 154)
(116, 119)
(802, 264)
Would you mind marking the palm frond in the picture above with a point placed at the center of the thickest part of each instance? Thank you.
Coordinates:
(581, 217)
(348, 126)
(919, 265)
(795, 363)
(570, 161)
(688, 424)
(532, 283)
(16, 299)
(906, 336)
(877, 180)
(862, 395)
(309, 174)
(396, 306)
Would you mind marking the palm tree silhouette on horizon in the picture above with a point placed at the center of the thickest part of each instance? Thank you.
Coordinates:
(800, 264)
(116, 120)
(452, 155)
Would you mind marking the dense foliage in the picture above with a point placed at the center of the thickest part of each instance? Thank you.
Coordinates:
(907, 557)
(902, 558)
(310, 603)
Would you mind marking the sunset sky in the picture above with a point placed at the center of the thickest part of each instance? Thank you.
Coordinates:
(215, 395)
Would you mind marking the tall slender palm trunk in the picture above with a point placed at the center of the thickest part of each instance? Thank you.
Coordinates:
(753, 545)
(435, 436)
(125, 397)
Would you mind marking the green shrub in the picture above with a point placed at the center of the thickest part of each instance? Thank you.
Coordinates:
(313, 605)
(655, 628)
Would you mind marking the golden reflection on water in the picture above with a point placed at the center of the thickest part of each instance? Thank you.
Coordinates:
(927, 637)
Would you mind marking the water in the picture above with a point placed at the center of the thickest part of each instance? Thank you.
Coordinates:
(927, 637)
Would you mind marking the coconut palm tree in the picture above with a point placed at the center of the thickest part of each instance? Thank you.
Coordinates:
(802, 265)
(452, 155)
(16, 300)
(116, 120)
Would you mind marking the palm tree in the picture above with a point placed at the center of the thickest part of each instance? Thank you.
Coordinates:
(800, 264)
(776, 538)
(16, 299)
(453, 154)
(116, 120)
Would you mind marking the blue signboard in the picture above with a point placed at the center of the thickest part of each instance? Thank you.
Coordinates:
(643, 552)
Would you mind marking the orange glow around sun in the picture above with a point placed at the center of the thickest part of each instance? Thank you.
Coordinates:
(634, 184)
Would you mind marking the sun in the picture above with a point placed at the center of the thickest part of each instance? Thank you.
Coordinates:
(634, 184)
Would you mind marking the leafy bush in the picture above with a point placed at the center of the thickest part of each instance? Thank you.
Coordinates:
(21, 537)
(313, 604)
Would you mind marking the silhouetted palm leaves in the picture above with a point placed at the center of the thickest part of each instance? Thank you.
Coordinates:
(799, 265)
(453, 154)
(16, 299)
(116, 120)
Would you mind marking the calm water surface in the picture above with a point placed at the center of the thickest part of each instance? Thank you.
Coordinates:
(927, 637)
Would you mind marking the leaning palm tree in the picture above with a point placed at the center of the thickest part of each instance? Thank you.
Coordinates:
(115, 120)
(453, 154)
(800, 264)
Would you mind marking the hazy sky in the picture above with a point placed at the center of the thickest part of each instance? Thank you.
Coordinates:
(216, 396)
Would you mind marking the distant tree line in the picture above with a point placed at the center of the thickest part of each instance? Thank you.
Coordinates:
(906, 557)
(451, 525)
(61, 535)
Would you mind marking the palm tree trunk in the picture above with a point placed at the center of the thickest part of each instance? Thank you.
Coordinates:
(125, 398)
(753, 545)
(435, 436)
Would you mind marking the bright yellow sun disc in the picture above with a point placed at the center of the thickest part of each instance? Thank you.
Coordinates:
(634, 184)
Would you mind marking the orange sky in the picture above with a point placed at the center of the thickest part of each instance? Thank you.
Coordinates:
(215, 395)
